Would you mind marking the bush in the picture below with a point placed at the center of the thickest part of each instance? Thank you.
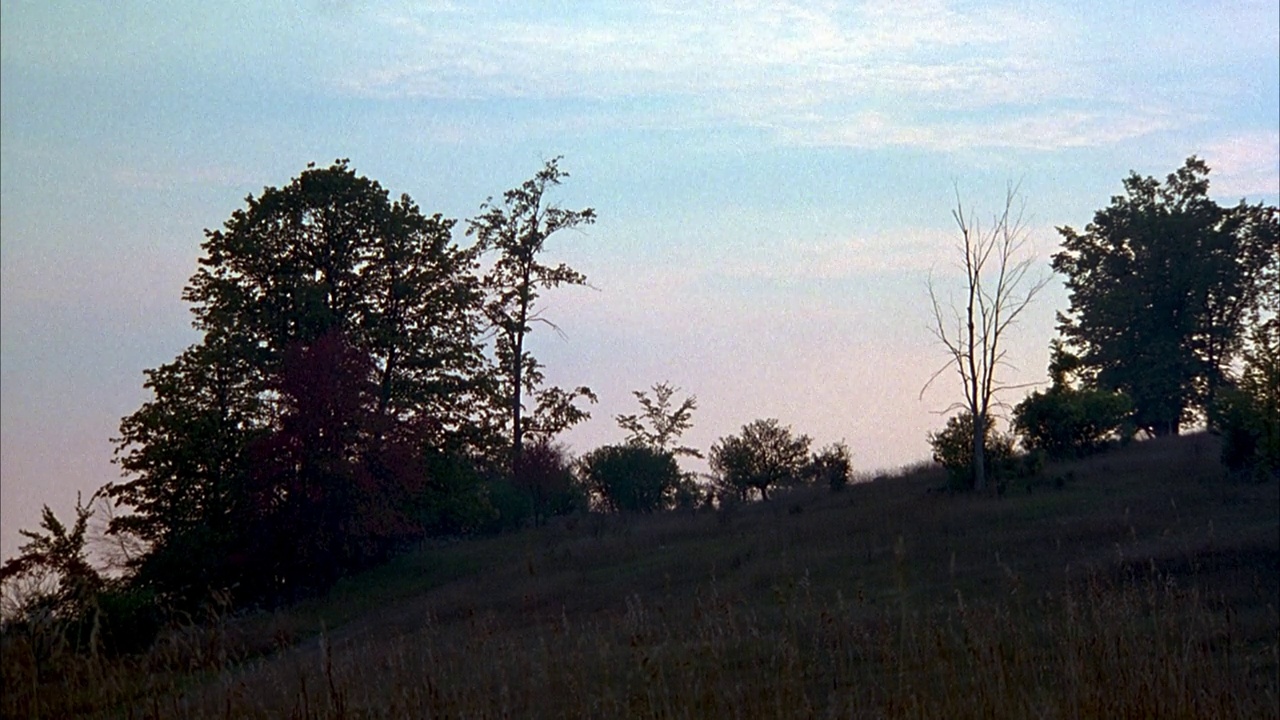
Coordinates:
(1068, 423)
(953, 449)
(1247, 416)
(544, 471)
(831, 466)
(633, 478)
(454, 501)
(1250, 434)
(509, 507)
(130, 619)
(765, 455)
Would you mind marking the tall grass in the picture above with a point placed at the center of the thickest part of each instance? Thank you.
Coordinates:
(1133, 584)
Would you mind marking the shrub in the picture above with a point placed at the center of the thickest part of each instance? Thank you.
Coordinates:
(1250, 434)
(953, 449)
(831, 466)
(454, 501)
(1247, 416)
(544, 471)
(509, 507)
(633, 478)
(1066, 423)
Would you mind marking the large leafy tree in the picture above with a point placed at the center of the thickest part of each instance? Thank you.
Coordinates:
(1162, 284)
(332, 251)
(328, 256)
(516, 230)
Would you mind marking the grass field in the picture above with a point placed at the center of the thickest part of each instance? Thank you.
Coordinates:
(1139, 583)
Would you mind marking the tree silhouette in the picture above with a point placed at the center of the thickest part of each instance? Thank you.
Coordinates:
(327, 256)
(766, 454)
(517, 230)
(997, 289)
(661, 424)
(1162, 284)
(632, 477)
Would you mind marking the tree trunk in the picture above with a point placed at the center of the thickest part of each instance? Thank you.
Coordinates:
(979, 453)
(517, 430)
(517, 370)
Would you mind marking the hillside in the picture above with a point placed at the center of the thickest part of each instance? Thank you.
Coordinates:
(1140, 582)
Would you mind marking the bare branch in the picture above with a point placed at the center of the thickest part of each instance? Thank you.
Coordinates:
(996, 293)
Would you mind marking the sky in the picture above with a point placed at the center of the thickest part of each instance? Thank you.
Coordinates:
(774, 182)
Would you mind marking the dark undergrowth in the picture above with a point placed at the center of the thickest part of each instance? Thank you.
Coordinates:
(1138, 583)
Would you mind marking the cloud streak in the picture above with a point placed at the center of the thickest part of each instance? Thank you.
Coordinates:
(902, 74)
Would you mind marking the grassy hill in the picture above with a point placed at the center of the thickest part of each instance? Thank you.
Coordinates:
(1136, 583)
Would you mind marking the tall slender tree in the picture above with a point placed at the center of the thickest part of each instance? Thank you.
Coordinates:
(517, 231)
(998, 288)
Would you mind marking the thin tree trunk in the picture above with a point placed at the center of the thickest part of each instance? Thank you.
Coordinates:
(517, 430)
(979, 452)
(517, 427)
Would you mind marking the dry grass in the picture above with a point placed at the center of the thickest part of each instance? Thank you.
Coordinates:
(1146, 585)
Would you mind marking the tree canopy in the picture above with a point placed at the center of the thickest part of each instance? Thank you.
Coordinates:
(766, 454)
(1161, 284)
(517, 230)
(344, 358)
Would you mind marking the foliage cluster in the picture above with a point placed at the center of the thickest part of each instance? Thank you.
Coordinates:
(1065, 421)
(1247, 414)
(766, 454)
(953, 450)
(1163, 284)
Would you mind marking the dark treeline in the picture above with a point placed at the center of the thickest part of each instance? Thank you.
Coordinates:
(364, 382)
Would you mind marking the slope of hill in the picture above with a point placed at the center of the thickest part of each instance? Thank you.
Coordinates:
(1135, 583)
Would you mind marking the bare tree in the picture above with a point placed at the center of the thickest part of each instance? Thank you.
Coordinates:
(998, 288)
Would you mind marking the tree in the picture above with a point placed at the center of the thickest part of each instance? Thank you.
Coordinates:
(631, 477)
(329, 255)
(1162, 283)
(58, 550)
(766, 454)
(660, 425)
(518, 230)
(184, 453)
(545, 472)
(330, 492)
(997, 289)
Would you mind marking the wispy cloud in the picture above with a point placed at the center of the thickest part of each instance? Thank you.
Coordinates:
(910, 73)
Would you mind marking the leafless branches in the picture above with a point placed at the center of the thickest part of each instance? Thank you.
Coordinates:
(998, 288)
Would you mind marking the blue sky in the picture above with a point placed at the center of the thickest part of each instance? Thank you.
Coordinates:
(774, 180)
